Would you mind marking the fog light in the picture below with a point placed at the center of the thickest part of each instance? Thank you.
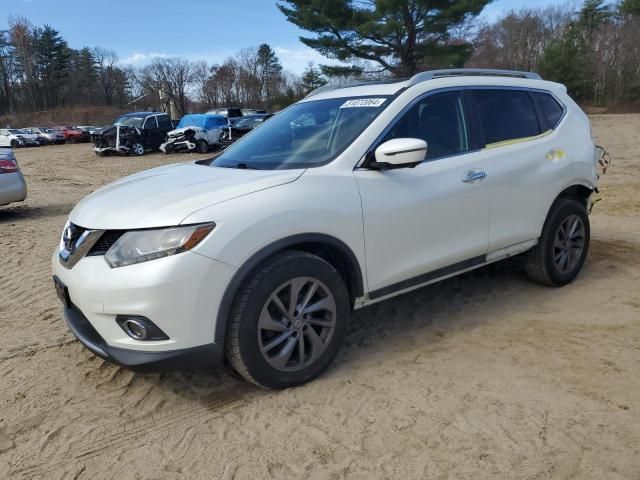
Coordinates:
(140, 328)
(135, 329)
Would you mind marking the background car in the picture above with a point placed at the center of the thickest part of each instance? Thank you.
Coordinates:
(241, 126)
(48, 134)
(198, 132)
(226, 112)
(71, 135)
(13, 187)
(89, 129)
(133, 134)
(253, 111)
(14, 138)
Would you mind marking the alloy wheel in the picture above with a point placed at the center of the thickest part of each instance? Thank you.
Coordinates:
(137, 149)
(568, 244)
(296, 324)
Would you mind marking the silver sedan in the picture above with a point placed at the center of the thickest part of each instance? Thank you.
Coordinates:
(13, 188)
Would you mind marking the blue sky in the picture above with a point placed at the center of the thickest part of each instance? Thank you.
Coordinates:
(211, 30)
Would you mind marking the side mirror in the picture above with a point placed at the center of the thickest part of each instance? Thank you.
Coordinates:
(400, 153)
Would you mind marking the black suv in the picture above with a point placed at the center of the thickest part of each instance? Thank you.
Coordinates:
(133, 134)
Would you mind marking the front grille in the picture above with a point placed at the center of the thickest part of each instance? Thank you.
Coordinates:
(105, 242)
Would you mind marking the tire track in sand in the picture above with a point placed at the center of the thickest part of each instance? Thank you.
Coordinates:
(109, 442)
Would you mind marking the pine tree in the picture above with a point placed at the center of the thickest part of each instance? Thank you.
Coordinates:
(269, 70)
(399, 36)
(630, 7)
(312, 78)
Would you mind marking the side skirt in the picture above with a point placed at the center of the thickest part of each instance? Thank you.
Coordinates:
(434, 276)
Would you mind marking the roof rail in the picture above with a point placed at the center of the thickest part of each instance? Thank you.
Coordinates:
(433, 74)
(480, 72)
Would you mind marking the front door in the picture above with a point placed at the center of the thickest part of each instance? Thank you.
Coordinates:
(428, 221)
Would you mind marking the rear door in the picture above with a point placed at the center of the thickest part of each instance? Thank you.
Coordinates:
(522, 172)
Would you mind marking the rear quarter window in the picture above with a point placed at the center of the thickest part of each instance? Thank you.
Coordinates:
(551, 110)
(506, 115)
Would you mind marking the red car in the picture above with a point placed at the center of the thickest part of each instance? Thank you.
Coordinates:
(71, 135)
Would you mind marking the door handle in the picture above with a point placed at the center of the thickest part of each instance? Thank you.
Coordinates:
(473, 176)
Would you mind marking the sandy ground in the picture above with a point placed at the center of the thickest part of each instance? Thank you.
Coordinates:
(482, 376)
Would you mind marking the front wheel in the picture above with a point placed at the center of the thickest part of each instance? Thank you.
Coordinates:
(288, 321)
(202, 146)
(137, 149)
(563, 246)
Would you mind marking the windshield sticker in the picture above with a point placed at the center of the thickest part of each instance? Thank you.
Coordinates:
(363, 102)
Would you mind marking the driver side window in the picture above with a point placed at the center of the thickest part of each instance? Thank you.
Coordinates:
(437, 119)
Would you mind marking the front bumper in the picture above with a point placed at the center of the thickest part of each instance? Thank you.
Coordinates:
(121, 149)
(200, 357)
(177, 145)
(180, 294)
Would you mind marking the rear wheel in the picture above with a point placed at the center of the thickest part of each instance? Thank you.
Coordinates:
(288, 322)
(202, 146)
(14, 144)
(563, 246)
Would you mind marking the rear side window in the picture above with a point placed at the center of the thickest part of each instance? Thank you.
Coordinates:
(551, 110)
(506, 115)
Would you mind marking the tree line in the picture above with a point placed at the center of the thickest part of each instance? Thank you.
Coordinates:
(39, 71)
(594, 51)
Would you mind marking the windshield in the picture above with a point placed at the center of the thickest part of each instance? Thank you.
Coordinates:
(15, 131)
(307, 134)
(127, 121)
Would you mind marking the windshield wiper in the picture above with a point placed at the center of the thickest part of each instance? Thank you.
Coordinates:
(244, 166)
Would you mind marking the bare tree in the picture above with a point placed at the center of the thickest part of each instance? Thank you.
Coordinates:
(518, 40)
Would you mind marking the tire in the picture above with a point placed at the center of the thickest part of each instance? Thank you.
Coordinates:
(202, 146)
(136, 150)
(563, 246)
(260, 334)
(14, 144)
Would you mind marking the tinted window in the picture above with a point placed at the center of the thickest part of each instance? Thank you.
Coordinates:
(506, 115)
(551, 109)
(164, 121)
(437, 119)
(150, 123)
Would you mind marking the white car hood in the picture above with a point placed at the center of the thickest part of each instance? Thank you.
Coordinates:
(166, 195)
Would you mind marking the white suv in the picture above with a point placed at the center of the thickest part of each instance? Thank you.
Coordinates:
(351, 196)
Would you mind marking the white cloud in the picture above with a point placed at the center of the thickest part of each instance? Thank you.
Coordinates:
(296, 59)
(293, 59)
(139, 59)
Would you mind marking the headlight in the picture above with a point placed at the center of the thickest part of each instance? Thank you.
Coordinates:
(143, 245)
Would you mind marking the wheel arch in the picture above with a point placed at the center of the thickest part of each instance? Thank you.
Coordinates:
(329, 248)
(578, 191)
